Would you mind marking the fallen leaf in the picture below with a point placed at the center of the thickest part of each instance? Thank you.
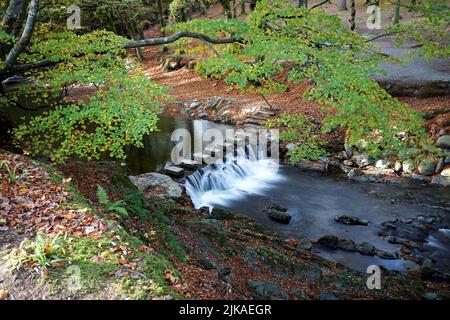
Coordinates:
(70, 216)
(168, 275)
(3, 293)
(66, 180)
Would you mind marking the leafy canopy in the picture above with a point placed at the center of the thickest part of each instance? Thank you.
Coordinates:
(119, 108)
(309, 45)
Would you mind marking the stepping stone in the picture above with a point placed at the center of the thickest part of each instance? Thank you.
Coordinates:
(202, 158)
(224, 145)
(213, 151)
(235, 140)
(190, 164)
(174, 171)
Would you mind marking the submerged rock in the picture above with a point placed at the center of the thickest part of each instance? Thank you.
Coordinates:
(351, 220)
(221, 213)
(387, 255)
(277, 213)
(156, 185)
(304, 244)
(441, 180)
(280, 216)
(366, 249)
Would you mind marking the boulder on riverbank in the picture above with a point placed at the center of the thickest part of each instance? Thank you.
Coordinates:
(155, 185)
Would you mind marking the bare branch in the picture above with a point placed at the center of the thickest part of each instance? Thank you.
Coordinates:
(177, 36)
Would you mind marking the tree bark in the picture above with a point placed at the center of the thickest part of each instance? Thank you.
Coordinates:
(12, 20)
(177, 36)
(25, 38)
(161, 15)
(342, 5)
(226, 8)
(352, 15)
(397, 13)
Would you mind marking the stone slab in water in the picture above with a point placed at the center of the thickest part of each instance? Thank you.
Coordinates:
(213, 151)
(202, 158)
(174, 171)
(190, 164)
(224, 145)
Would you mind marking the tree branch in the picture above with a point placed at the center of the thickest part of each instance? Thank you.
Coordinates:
(319, 4)
(177, 36)
(130, 45)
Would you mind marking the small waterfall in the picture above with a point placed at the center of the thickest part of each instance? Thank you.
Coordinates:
(232, 178)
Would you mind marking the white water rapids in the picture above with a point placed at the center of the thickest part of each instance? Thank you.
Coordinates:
(232, 179)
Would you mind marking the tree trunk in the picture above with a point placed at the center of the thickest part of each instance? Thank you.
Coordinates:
(302, 3)
(397, 13)
(161, 15)
(25, 38)
(352, 15)
(226, 8)
(13, 18)
(243, 2)
(342, 5)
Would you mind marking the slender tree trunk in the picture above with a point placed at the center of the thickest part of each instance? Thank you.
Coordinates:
(25, 38)
(303, 3)
(352, 15)
(342, 5)
(13, 18)
(397, 13)
(226, 8)
(161, 15)
(243, 2)
(234, 9)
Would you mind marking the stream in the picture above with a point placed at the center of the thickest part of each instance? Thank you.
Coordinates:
(312, 199)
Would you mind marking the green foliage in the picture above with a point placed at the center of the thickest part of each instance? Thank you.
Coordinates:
(117, 206)
(430, 31)
(12, 174)
(135, 203)
(118, 107)
(299, 130)
(312, 46)
(42, 253)
(180, 10)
